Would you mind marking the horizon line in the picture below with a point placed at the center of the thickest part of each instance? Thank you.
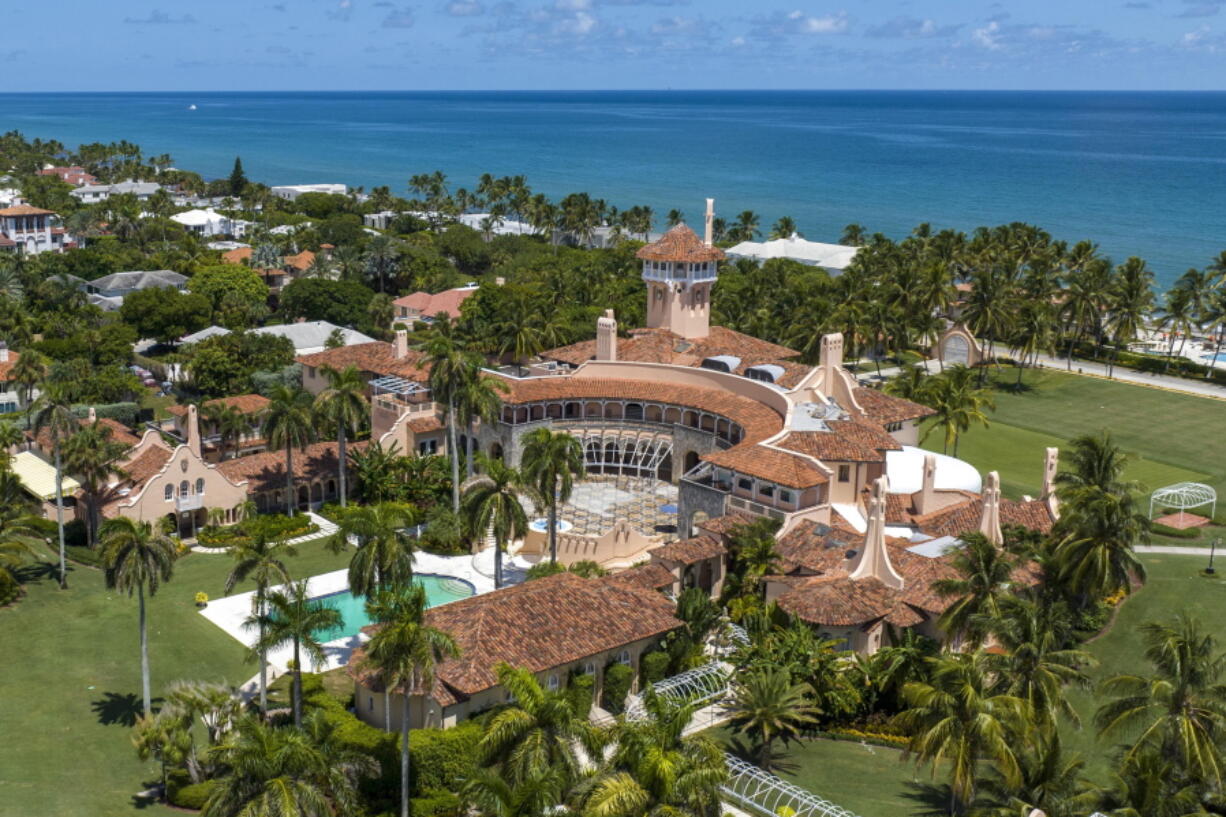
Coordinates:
(626, 90)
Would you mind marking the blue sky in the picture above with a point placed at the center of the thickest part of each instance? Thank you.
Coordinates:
(68, 45)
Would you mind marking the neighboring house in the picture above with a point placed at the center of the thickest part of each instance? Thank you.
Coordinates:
(94, 193)
(422, 306)
(552, 627)
(292, 266)
(109, 291)
(290, 192)
(10, 391)
(830, 257)
(308, 337)
(213, 448)
(76, 176)
(209, 223)
(30, 230)
(10, 196)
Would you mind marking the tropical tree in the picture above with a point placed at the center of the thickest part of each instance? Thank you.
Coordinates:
(1096, 554)
(261, 561)
(138, 559)
(291, 616)
(494, 796)
(785, 227)
(402, 654)
(451, 370)
(229, 421)
(343, 405)
(540, 731)
(492, 506)
(1178, 712)
(957, 722)
(958, 404)
(1130, 301)
(54, 414)
(22, 532)
(550, 463)
(983, 581)
(287, 424)
(479, 398)
(1051, 780)
(1093, 461)
(92, 454)
(767, 705)
(383, 559)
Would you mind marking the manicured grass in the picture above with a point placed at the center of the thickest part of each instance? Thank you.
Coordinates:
(70, 681)
(1172, 436)
(159, 405)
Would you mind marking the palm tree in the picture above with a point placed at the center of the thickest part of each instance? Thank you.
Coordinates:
(54, 414)
(450, 371)
(260, 560)
(230, 423)
(278, 772)
(1100, 530)
(1051, 780)
(1177, 317)
(984, 577)
(535, 796)
(22, 533)
(384, 556)
(1094, 461)
(92, 455)
(674, 218)
(29, 370)
(402, 654)
(1131, 299)
(287, 424)
(138, 559)
(785, 227)
(551, 462)
(539, 732)
(292, 617)
(767, 705)
(382, 255)
(478, 399)
(1179, 712)
(958, 404)
(492, 506)
(957, 722)
(344, 405)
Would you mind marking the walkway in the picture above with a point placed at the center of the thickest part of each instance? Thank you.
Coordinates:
(1180, 550)
(326, 528)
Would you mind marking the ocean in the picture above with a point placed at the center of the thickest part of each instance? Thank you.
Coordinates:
(1139, 173)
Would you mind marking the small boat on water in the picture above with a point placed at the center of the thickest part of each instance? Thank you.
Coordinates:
(191, 107)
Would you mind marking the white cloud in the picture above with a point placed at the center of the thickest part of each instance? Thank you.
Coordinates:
(465, 8)
(988, 37)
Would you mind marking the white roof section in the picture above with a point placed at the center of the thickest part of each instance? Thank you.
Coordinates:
(905, 470)
(38, 476)
(204, 334)
(135, 188)
(935, 548)
(308, 336)
(138, 279)
(504, 227)
(813, 253)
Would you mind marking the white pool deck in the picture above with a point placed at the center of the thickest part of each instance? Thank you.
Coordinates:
(230, 612)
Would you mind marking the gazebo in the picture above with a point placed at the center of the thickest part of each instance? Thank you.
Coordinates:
(1184, 495)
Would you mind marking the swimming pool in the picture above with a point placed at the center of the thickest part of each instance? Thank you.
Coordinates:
(542, 525)
(439, 590)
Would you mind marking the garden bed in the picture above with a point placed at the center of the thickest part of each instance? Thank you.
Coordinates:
(275, 527)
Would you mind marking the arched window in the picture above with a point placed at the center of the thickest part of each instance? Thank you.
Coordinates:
(590, 668)
(200, 485)
(170, 492)
(553, 682)
(184, 488)
(623, 657)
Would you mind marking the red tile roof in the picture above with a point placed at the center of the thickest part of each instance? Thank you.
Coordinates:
(964, 517)
(377, 358)
(846, 441)
(148, 463)
(447, 302)
(651, 576)
(120, 433)
(246, 403)
(771, 464)
(6, 367)
(722, 525)
(680, 245)
(886, 408)
(301, 262)
(237, 256)
(266, 471)
(689, 551)
(25, 210)
(838, 601)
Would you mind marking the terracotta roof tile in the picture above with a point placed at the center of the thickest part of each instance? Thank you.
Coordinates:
(689, 551)
(246, 403)
(721, 525)
(6, 367)
(377, 358)
(963, 517)
(148, 463)
(843, 602)
(25, 210)
(447, 301)
(885, 408)
(680, 244)
(301, 262)
(846, 441)
(651, 576)
(236, 256)
(773, 465)
(120, 433)
(424, 425)
(266, 471)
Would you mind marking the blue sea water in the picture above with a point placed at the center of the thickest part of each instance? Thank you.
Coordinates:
(1140, 173)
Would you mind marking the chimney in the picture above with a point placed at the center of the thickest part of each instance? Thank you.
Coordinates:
(831, 357)
(4, 352)
(989, 521)
(1051, 465)
(927, 492)
(500, 281)
(401, 350)
(873, 559)
(193, 429)
(93, 415)
(606, 336)
(708, 235)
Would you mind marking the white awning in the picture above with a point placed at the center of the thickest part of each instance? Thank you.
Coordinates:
(38, 476)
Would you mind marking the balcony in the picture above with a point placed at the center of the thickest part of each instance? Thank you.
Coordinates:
(191, 502)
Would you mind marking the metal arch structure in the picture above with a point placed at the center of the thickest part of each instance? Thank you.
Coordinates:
(701, 685)
(764, 793)
(1184, 495)
(620, 448)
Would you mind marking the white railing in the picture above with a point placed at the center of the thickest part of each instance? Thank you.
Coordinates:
(763, 793)
(190, 502)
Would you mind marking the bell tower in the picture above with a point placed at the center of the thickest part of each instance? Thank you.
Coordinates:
(679, 270)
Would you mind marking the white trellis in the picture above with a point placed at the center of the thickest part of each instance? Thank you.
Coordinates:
(701, 685)
(1184, 495)
(764, 793)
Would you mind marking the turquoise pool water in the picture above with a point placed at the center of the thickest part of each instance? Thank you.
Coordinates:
(439, 590)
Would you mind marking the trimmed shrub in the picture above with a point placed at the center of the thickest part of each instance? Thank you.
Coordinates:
(194, 795)
(617, 680)
(1174, 533)
(436, 803)
(9, 588)
(579, 693)
(126, 413)
(653, 667)
(443, 758)
(277, 527)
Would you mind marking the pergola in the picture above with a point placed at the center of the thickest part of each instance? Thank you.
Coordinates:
(701, 685)
(1184, 495)
(763, 793)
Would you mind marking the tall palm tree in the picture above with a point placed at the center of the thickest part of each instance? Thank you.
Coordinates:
(1052, 780)
(957, 722)
(540, 731)
(54, 413)
(262, 562)
(550, 463)
(478, 399)
(983, 581)
(1130, 302)
(229, 422)
(747, 225)
(1177, 317)
(93, 456)
(402, 654)
(287, 424)
(1093, 461)
(451, 370)
(767, 705)
(384, 556)
(492, 506)
(958, 404)
(291, 616)
(785, 227)
(138, 559)
(22, 532)
(1178, 712)
(1099, 531)
(343, 405)
(279, 772)
(494, 796)
(29, 370)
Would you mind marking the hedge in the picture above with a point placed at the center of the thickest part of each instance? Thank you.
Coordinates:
(126, 413)
(653, 667)
(277, 527)
(617, 680)
(436, 803)
(579, 693)
(1174, 533)
(194, 795)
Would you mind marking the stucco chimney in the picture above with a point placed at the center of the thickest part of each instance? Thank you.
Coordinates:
(606, 336)
(927, 492)
(873, 560)
(708, 234)
(401, 346)
(4, 352)
(193, 430)
(1051, 465)
(500, 281)
(989, 520)
(831, 356)
(93, 415)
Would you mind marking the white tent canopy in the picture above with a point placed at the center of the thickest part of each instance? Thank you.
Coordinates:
(1184, 495)
(834, 257)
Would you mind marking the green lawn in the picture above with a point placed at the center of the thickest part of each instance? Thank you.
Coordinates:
(70, 682)
(1172, 436)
